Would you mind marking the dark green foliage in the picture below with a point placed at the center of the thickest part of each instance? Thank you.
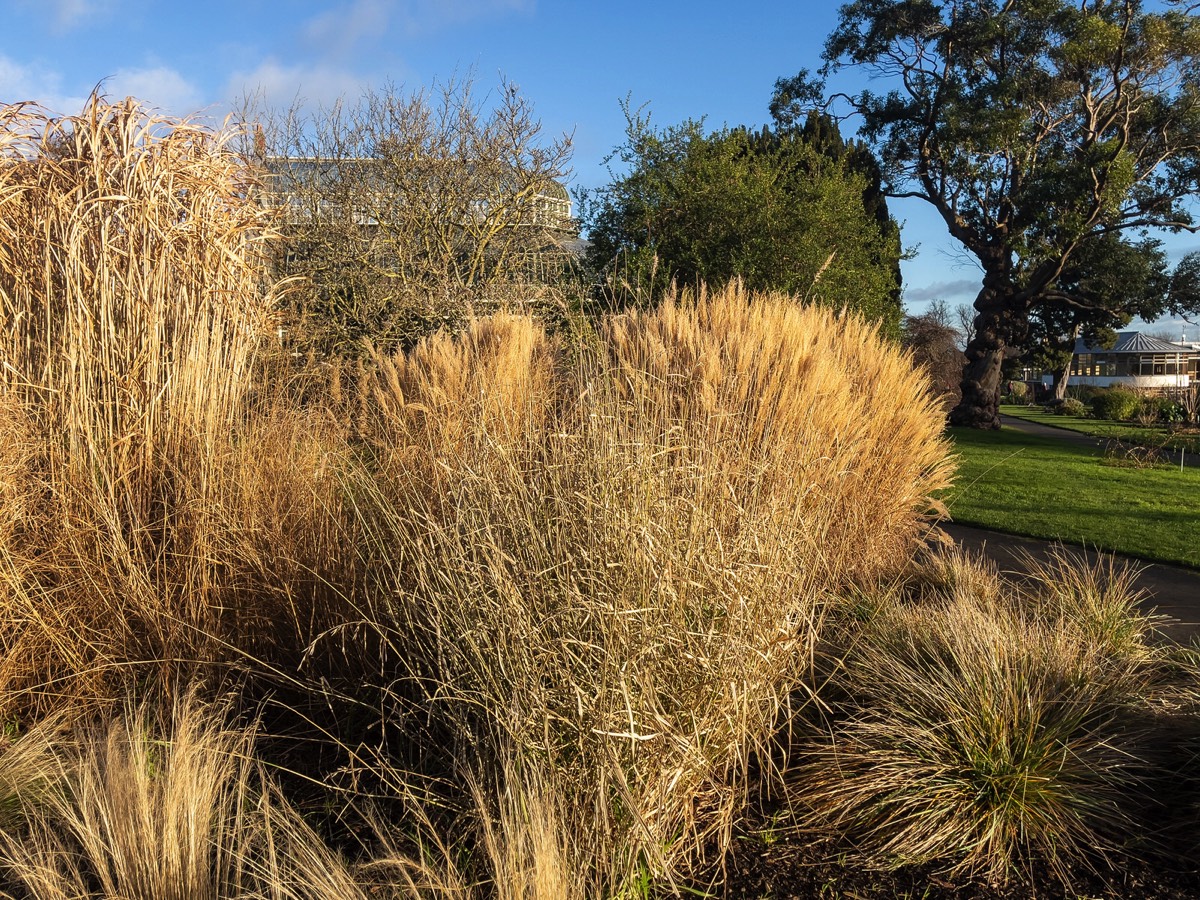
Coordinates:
(1116, 403)
(793, 209)
(1070, 407)
(1168, 411)
(1108, 282)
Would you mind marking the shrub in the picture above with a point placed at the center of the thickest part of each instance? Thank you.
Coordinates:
(1068, 406)
(1167, 410)
(1116, 404)
(563, 589)
(934, 348)
(1018, 392)
(466, 186)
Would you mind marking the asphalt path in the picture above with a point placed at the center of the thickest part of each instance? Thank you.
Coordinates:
(1171, 591)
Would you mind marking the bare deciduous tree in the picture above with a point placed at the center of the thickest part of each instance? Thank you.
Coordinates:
(964, 318)
(404, 209)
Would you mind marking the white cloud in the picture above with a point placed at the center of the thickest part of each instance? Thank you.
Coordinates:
(20, 83)
(279, 84)
(157, 86)
(963, 289)
(160, 87)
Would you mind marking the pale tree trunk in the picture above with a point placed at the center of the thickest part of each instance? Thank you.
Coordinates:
(1064, 372)
(1001, 319)
(1060, 381)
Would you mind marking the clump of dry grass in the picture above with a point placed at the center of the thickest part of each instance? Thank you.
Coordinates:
(815, 408)
(131, 295)
(132, 308)
(170, 809)
(1102, 600)
(991, 729)
(566, 590)
(613, 560)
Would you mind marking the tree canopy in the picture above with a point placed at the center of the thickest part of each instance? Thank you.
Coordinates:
(403, 209)
(1034, 129)
(1114, 279)
(792, 209)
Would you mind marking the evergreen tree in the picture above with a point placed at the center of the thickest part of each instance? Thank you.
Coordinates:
(782, 209)
(1034, 129)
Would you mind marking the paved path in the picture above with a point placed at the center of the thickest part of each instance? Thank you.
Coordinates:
(1172, 591)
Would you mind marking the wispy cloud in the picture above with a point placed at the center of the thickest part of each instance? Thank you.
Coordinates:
(338, 32)
(38, 84)
(157, 86)
(951, 291)
(344, 28)
(66, 15)
(69, 13)
(276, 83)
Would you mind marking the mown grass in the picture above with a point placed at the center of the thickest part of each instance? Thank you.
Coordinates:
(1042, 487)
(1125, 432)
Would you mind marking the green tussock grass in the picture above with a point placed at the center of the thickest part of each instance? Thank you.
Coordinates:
(995, 732)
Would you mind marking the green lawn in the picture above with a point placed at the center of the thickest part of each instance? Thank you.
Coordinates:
(1014, 482)
(1150, 436)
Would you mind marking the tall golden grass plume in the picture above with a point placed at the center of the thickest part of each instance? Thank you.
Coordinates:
(130, 284)
(133, 304)
(780, 389)
(625, 558)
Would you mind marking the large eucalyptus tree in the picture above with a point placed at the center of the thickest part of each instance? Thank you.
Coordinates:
(1033, 127)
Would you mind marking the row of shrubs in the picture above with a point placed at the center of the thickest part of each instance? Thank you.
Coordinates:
(1122, 404)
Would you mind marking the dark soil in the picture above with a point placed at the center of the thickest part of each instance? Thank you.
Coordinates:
(799, 868)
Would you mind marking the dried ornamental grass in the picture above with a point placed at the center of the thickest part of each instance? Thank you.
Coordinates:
(614, 560)
(131, 308)
(167, 804)
(128, 285)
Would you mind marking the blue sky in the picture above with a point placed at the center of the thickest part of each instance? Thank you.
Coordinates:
(574, 60)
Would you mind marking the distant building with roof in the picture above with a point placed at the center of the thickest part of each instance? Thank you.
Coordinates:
(463, 205)
(307, 187)
(1136, 360)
